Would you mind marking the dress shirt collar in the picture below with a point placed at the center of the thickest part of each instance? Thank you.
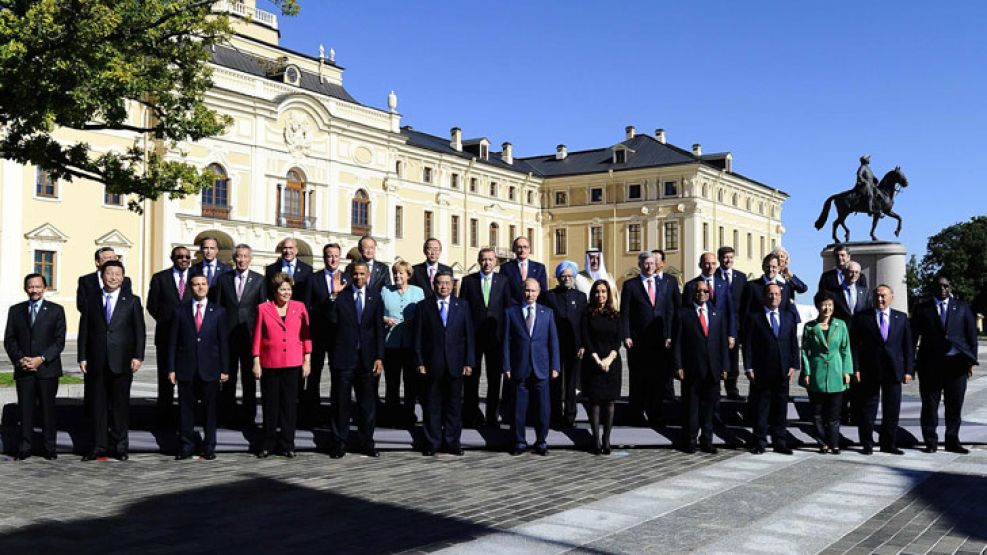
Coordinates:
(726, 273)
(644, 278)
(195, 305)
(176, 272)
(35, 304)
(113, 296)
(699, 307)
(362, 291)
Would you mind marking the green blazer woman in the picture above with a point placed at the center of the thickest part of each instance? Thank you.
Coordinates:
(826, 359)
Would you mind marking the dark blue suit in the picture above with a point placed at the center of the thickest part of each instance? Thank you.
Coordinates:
(488, 327)
(648, 326)
(323, 340)
(882, 366)
(530, 358)
(721, 300)
(198, 358)
(512, 271)
(703, 359)
(769, 358)
(444, 350)
(737, 281)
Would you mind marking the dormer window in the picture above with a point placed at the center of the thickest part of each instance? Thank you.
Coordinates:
(620, 156)
(484, 152)
(292, 75)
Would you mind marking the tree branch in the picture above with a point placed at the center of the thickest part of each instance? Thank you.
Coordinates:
(120, 127)
(164, 18)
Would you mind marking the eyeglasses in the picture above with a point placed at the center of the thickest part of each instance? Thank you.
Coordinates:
(182, 256)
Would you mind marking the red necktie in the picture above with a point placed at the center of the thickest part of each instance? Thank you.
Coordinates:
(702, 321)
(181, 285)
(198, 317)
(651, 291)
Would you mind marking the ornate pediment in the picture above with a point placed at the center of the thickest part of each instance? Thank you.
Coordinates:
(114, 239)
(46, 233)
(495, 207)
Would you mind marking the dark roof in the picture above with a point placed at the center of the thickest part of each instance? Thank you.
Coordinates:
(441, 144)
(254, 65)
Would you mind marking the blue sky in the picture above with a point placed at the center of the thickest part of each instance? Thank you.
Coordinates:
(797, 91)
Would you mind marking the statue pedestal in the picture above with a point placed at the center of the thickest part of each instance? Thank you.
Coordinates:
(883, 262)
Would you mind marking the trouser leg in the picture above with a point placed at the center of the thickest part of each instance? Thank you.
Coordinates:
(954, 392)
(432, 413)
(27, 401)
(272, 406)
(520, 411)
(120, 411)
(930, 390)
(452, 406)
(288, 410)
(207, 395)
(366, 404)
(186, 417)
(342, 388)
(779, 413)
(47, 390)
(708, 401)
(890, 409)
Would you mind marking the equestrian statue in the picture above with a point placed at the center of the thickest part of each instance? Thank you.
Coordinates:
(868, 196)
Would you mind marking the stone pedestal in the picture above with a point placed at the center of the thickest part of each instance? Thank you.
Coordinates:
(883, 262)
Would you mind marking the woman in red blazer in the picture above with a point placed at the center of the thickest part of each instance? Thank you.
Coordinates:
(282, 352)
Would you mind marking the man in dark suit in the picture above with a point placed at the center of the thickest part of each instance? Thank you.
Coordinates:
(754, 298)
(834, 279)
(883, 359)
(241, 291)
(423, 274)
(198, 349)
(34, 340)
(92, 284)
(646, 313)
(326, 284)
(210, 266)
(169, 288)
(771, 358)
(487, 296)
(569, 305)
(296, 269)
(444, 355)
(379, 273)
(852, 297)
(720, 294)
(945, 331)
(674, 296)
(111, 351)
(701, 357)
(522, 268)
(357, 358)
(736, 281)
(531, 359)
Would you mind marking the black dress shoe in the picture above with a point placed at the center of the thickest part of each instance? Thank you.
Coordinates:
(372, 452)
(428, 452)
(782, 450)
(930, 447)
(21, 455)
(183, 457)
(518, 451)
(892, 451)
(123, 456)
(263, 454)
(51, 455)
(834, 450)
(957, 448)
(93, 456)
(541, 450)
(458, 451)
(757, 450)
(708, 448)
(689, 448)
(290, 454)
(867, 450)
(337, 454)
(209, 456)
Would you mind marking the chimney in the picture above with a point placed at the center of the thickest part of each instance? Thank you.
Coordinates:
(457, 139)
(697, 149)
(507, 154)
(629, 132)
(660, 135)
(561, 152)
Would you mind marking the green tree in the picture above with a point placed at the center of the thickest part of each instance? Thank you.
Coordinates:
(960, 251)
(913, 282)
(86, 64)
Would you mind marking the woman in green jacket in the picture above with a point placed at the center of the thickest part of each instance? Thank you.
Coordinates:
(826, 369)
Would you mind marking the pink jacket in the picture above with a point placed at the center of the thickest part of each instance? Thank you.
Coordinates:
(281, 344)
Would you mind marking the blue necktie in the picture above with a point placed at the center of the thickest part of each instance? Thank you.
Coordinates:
(209, 274)
(443, 312)
(109, 308)
(774, 323)
(359, 307)
(943, 313)
(34, 313)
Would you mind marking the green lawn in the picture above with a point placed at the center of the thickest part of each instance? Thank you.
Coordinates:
(7, 379)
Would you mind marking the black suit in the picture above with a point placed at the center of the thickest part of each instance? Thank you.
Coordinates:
(444, 350)
(512, 271)
(241, 319)
(221, 268)
(46, 339)
(359, 342)
(753, 299)
(198, 358)
(882, 366)
(842, 308)
(162, 299)
(488, 327)
(380, 275)
(737, 281)
(569, 307)
(89, 285)
(770, 357)
(830, 281)
(945, 355)
(419, 277)
(323, 339)
(107, 349)
(703, 358)
(302, 276)
(648, 326)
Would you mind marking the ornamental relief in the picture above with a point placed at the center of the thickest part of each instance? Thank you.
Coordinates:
(297, 135)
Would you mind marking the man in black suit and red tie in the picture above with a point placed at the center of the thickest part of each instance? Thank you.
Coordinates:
(736, 281)
(883, 359)
(111, 351)
(522, 268)
(945, 331)
(169, 288)
(701, 354)
(444, 355)
(423, 275)
(34, 340)
(210, 266)
(771, 357)
(296, 269)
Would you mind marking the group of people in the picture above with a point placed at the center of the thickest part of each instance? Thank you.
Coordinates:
(544, 350)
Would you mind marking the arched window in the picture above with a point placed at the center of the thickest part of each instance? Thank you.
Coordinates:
(494, 232)
(216, 197)
(399, 168)
(360, 213)
(705, 190)
(291, 200)
(736, 199)
(719, 196)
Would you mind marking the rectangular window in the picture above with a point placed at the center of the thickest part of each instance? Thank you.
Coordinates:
(750, 246)
(634, 237)
(671, 189)
(110, 199)
(671, 236)
(736, 239)
(428, 224)
(720, 237)
(512, 233)
(399, 222)
(474, 232)
(773, 244)
(44, 264)
(531, 197)
(705, 237)
(472, 184)
(561, 244)
(512, 193)
(454, 180)
(634, 192)
(596, 194)
(44, 185)
(454, 232)
(427, 174)
(561, 198)
(493, 188)
(596, 237)
(762, 247)
(619, 156)
(531, 239)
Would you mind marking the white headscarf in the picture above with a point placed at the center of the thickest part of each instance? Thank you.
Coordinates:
(602, 272)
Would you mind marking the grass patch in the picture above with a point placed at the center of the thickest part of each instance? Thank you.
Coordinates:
(7, 379)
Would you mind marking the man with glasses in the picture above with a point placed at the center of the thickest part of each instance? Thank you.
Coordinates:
(169, 288)
(423, 275)
(569, 305)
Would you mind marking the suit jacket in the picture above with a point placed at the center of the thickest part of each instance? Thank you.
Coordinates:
(569, 306)
(45, 338)
(696, 353)
(203, 353)
(162, 298)
(879, 360)
(303, 273)
(241, 314)
(444, 350)
(752, 301)
(843, 311)
(488, 320)
(419, 277)
(357, 341)
(826, 359)
(830, 281)
(512, 271)
(535, 354)
(770, 357)
(321, 301)
(282, 343)
(380, 276)
(722, 300)
(115, 344)
(643, 323)
(737, 285)
(221, 268)
(89, 285)
(934, 341)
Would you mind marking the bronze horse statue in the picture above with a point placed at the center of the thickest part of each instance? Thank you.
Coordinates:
(849, 202)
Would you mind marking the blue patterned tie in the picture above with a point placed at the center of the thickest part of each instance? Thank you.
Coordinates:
(774, 323)
(443, 312)
(109, 308)
(359, 307)
(34, 313)
(943, 312)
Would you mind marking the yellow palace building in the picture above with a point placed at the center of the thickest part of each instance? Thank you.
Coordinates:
(304, 159)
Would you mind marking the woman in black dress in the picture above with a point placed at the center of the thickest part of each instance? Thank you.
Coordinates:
(601, 361)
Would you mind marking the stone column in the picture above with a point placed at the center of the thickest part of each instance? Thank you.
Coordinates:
(883, 262)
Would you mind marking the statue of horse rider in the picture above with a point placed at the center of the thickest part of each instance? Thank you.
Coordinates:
(866, 186)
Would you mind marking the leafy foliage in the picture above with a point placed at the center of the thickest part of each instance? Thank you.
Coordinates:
(960, 252)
